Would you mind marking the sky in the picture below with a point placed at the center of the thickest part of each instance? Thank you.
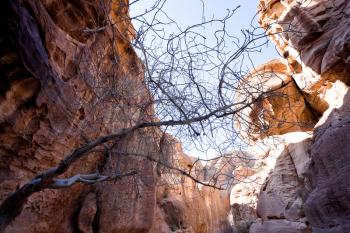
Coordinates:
(189, 12)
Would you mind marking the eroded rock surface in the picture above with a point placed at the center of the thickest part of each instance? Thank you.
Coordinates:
(57, 61)
(307, 187)
(328, 204)
(186, 206)
(54, 76)
(281, 109)
(67, 77)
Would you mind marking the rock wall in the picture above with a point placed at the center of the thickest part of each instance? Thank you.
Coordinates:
(55, 72)
(306, 189)
(67, 77)
(184, 205)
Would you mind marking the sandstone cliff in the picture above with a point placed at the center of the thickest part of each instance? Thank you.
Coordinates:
(303, 132)
(184, 205)
(58, 62)
(55, 72)
(68, 75)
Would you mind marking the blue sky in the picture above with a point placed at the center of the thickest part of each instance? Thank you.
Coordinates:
(189, 12)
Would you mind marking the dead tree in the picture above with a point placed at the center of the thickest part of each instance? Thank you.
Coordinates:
(190, 84)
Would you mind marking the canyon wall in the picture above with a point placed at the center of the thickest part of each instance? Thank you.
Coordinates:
(184, 205)
(300, 128)
(55, 72)
(68, 75)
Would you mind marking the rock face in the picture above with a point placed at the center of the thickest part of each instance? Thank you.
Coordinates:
(281, 109)
(184, 205)
(67, 77)
(327, 206)
(54, 76)
(322, 55)
(276, 191)
(306, 189)
(313, 37)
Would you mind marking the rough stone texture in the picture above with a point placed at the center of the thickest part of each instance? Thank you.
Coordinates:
(279, 226)
(279, 190)
(243, 199)
(56, 63)
(281, 109)
(316, 30)
(186, 206)
(228, 169)
(65, 81)
(275, 190)
(54, 77)
(328, 204)
(88, 213)
(313, 37)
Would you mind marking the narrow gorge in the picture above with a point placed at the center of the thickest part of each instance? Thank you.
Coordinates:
(82, 149)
